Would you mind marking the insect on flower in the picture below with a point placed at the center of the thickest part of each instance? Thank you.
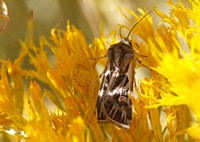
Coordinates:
(113, 103)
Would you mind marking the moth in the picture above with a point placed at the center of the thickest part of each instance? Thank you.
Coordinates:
(113, 103)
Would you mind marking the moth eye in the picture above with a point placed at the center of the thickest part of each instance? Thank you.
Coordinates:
(130, 43)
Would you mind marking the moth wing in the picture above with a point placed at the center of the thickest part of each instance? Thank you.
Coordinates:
(116, 104)
(100, 115)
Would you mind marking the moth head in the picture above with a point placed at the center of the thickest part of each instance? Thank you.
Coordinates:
(126, 41)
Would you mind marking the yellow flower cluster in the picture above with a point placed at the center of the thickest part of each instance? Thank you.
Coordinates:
(166, 106)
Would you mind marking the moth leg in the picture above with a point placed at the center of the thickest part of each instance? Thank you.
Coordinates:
(147, 67)
(93, 81)
(98, 57)
(143, 64)
(137, 45)
(143, 56)
(90, 83)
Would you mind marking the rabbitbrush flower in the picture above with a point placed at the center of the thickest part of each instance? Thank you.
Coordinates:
(166, 105)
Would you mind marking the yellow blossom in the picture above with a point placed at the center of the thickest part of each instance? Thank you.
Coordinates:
(165, 106)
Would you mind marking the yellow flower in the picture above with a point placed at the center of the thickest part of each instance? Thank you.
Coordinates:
(178, 65)
(165, 106)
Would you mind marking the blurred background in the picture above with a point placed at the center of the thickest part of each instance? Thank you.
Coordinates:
(84, 14)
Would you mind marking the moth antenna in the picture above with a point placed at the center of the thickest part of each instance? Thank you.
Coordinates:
(138, 23)
(98, 57)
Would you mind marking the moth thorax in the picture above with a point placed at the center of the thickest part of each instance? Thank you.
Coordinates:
(123, 98)
(124, 40)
